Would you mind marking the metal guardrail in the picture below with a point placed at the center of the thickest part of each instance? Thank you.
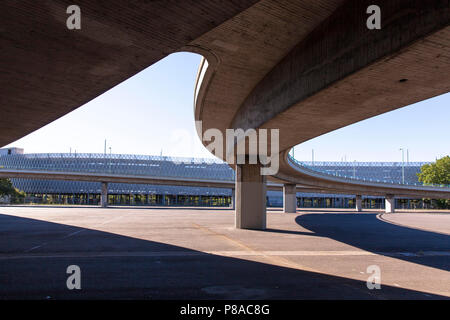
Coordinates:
(348, 170)
(197, 168)
(117, 164)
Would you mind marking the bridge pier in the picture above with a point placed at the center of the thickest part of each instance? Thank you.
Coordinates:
(250, 197)
(390, 204)
(358, 203)
(233, 199)
(289, 198)
(104, 195)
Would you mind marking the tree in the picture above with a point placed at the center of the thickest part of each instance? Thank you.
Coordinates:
(437, 173)
(7, 189)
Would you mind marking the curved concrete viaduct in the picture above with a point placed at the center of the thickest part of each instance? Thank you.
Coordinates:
(106, 178)
(327, 76)
(304, 67)
(49, 70)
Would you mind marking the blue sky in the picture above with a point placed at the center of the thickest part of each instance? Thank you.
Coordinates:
(152, 112)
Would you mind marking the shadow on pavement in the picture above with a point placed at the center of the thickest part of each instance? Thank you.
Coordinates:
(346, 210)
(35, 254)
(369, 233)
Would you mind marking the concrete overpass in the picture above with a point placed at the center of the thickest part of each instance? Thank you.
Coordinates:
(191, 172)
(63, 167)
(303, 67)
(318, 74)
(105, 178)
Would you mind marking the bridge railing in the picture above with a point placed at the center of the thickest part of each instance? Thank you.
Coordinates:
(381, 172)
(119, 164)
(205, 169)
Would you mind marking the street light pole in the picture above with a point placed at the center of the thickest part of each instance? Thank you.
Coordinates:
(403, 165)
(110, 162)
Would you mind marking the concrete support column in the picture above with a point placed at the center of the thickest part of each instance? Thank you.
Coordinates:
(233, 199)
(290, 198)
(250, 197)
(390, 204)
(358, 203)
(104, 195)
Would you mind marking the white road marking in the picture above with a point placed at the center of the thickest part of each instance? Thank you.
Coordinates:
(74, 233)
(222, 253)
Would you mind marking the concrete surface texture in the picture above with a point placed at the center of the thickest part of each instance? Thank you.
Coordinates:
(251, 187)
(158, 253)
(289, 198)
(49, 70)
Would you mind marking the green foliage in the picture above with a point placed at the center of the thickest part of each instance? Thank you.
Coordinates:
(18, 196)
(6, 188)
(436, 173)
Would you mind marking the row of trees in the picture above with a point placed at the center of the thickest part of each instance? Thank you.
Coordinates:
(436, 173)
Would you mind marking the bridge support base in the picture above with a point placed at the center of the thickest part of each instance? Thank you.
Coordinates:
(390, 204)
(104, 195)
(358, 203)
(290, 198)
(250, 197)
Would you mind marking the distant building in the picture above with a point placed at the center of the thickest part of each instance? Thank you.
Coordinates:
(10, 151)
(79, 192)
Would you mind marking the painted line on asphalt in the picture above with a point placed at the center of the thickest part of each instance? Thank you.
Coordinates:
(73, 233)
(239, 253)
(277, 260)
(382, 217)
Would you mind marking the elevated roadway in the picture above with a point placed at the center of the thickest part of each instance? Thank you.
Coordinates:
(323, 70)
(105, 178)
(304, 67)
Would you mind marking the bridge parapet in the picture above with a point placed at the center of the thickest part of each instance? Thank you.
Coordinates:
(118, 164)
(373, 172)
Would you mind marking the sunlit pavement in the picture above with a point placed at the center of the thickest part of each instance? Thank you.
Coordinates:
(195, 253)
